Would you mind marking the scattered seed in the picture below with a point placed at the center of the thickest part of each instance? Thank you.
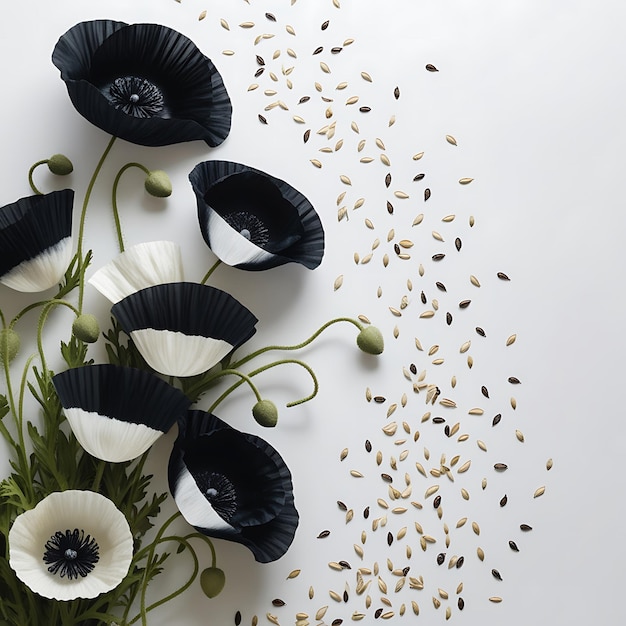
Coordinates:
(317, 163)
(500, 467)
(504, 500)
(263, 120)
(503, 276)
(496, 419)
(465, 181)
(525, 527)
(293, 574)
(480, 331)
(323, 534)
(426, 194)
(450, 139)
(431, 68)
(539, 492)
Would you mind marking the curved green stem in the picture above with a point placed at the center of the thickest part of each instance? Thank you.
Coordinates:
(116, 214)
(211, 270)
(243, 378)
(98, 477)
(298, 346)
(42, 320)
(81, 229)
(35, 305)
(206, 540)
(31, 182)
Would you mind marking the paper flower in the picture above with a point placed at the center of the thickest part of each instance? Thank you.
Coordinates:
(232, 485)
(115, 412)
(35, 240)
(254, 221)
(145, 83)
(73, 544)
(184, 329)
(144, 265)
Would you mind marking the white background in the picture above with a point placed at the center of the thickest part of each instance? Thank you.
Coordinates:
(533, 93)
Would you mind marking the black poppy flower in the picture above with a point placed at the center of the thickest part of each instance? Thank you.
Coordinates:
(35, 240)
(115, 412)
(232, 485)
(73, 544)
(145, 83)
(254, 221)
(184, 329)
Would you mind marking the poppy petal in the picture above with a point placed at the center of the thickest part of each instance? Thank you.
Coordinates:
(143, 265)
(103, 529)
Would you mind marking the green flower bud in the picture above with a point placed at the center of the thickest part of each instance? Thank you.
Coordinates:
(265, 413)
(158, 184)
(9, 344)
(370, 340)
(86, 328)
(212, 581)
(60, 165)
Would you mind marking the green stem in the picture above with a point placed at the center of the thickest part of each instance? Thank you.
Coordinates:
(98, 477)
(42, 320)
(83, 215)
(116, 214)
(31, 182)
(298, 346)
(244, 378)
(211, 270)
(208, 542)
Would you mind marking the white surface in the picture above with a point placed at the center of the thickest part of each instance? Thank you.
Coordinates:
(533, 93)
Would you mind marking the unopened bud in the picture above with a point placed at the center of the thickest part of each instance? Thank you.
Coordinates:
(158, 184)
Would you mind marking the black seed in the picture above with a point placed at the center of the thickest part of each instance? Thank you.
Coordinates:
(336, 622)
(419, 176)
(459, 563)
(446, 430)
(237, 618)
(342, 505)
(423, 297)
(438, 420)
(496, 419)
(460, 603)
(500, 467)
(396, 93)
(448, 318)
(389, 207)
(304, 99)
(278, 602)
(368, 445)
(413, 368)
(431, 68)
(318, 50)
(441, 286)
(464, 304)
(436, 502)
(458, 243)
(345, 564)
(525, 527)
(387, 478)
(336, 50)
(503, 276)
(514, 381)
(496, 574)
(270, 17)
(484, 391)
(504, 500)
(259, 72)
(396, 248)
(262, 119)
(366, 512)
(387, 180)
(324, 26)
(378, 613)
(480, 331)
(438, 257)
(323, 534)
(406, 570)
(307, 134)
(513, 546)
(441, 557)
(379, 399)
(260, 60)
(365, 109)
(389, 539)
(426, 194)
(345, 596)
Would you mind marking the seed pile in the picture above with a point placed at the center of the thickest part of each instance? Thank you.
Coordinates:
(431, 450)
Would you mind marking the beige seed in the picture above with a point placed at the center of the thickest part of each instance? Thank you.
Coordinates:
(443, 594)
(228, 53)
(453, 382)
(520, 435)
(224, 24)
(420, 270)
(549, 464)
(380, 144)
(339, 145)
(474, 281)
(293, 573)
(461, 522)
(436, 602)
(317, 163)
(368, 396)
(352, 100)
(369, 223)
(290, 29)
(401, 194)
(437, 236)
(448, 403)
(366, 76)
(427, 314)
(253, 86)
(366, 159)
(356, 473)
(349, 515)
(272, 619)
(539, 492)
(345, 180)
(343, 454)
(391, 409)
(511, 340)
(354, 126)
(335, 596)
(359, 203)
(247, 25)
(379, 457)
(465, 493)
(513, 403)
(484, 483)
(390, 429)
(324, 67)
(311, 593)
(495, 599)
(431, 490)
(385, 159)
(341, 86)
(202, 16)
(465, 347)
(338, 282)
(470, 361)
(463, 437)
(476, 528)
(481, 445)
(298, 119)
(386, 260)
(465, 181)
(476, 411)
(392, 120)
(418, 220)
(464, 467)
(450, 139)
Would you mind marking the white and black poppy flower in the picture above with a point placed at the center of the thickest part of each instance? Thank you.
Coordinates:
(254, 221)
(232, 485)
(145, 83)
(35, 240)
(184, 329)
(73, 544)
(116, 412)
(143, 265)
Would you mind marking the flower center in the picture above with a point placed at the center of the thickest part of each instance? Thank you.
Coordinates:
(71, 553)
(249, 226)
(220, 492)
(136, 96)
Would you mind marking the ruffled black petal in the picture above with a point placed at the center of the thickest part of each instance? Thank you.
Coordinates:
(264, 517)
(265, 210)
(145, 83)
